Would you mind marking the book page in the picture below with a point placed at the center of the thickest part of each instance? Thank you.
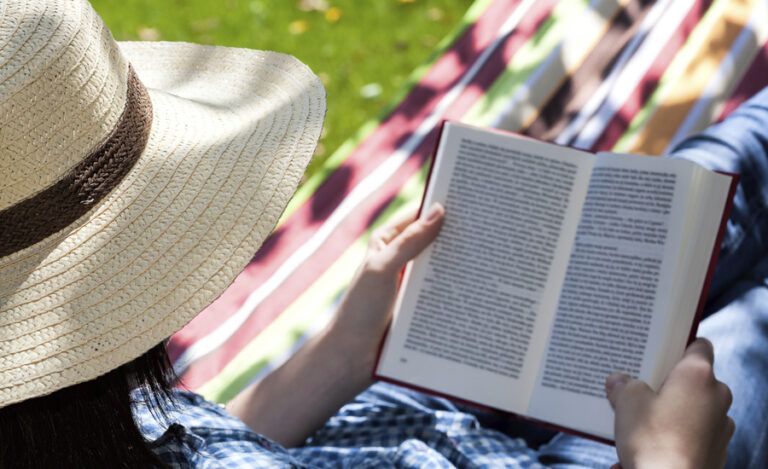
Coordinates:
(616, 295)
(701, 225)
(475, 307)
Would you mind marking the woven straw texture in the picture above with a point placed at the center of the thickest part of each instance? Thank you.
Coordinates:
(231, 133)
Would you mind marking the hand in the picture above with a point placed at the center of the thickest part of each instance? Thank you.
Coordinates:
(684, 425)
(366, 309)
(333, 367)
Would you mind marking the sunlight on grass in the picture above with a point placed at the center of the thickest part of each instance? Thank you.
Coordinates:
(362, 50)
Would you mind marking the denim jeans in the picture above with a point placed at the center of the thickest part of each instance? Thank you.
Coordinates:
(736, 315)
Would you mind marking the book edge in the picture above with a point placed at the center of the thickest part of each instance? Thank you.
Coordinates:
(692, 336)
(432, 165)
(715, 255)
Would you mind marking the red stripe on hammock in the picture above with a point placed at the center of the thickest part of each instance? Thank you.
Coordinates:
(209, 366)
(645, 88)
(749, 84)
(356, 224)
(439, 80)
(305, 220)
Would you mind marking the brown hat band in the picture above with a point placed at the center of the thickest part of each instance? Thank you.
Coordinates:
(34, 219)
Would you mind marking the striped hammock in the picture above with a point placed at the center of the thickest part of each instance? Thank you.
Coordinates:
(622, 75)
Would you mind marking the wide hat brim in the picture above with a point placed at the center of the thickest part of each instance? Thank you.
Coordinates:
(232, 133)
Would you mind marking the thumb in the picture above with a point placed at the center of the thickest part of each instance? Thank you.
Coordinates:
(621, 388)
(417, 236)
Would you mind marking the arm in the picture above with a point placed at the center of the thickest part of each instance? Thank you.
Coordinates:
(297, 398)
(684, 425)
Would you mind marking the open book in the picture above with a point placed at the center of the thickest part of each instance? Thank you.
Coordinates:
(554, 268)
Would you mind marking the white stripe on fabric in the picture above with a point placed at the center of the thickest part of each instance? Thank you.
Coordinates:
(359, 194)
(749, 41)
(563, 59)
(636, 69)
(599, 96)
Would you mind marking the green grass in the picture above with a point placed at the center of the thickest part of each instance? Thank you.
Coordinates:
(363, 51)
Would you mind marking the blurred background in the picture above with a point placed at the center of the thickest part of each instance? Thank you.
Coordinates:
(363, 51)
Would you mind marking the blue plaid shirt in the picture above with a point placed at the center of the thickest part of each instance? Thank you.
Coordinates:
(384, 427)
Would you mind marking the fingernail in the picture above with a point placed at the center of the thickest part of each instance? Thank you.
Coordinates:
(616, 379)
(434, 212)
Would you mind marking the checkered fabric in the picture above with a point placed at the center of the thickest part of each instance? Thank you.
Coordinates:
(384, 427)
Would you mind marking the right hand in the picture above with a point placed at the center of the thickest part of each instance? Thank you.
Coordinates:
(684, 425)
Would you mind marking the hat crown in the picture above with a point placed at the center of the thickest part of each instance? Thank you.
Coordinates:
(63, 84)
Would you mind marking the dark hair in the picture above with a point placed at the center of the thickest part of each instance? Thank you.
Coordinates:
(89, 424)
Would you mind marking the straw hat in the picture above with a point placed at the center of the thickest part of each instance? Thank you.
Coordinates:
(136, 181)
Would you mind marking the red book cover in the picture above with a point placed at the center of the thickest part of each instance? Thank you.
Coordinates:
(694, 327)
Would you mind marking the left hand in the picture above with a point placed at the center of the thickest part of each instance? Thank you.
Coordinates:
(684, 425)
(333, 367)
(366, 310)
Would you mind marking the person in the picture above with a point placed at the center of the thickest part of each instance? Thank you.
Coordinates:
(138, 179)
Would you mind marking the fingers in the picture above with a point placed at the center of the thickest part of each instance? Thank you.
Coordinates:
(726, 396)
(623, 391)
(409, 242)
(695, 370)
(701, 348)
(417, 236)
(387, 233)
